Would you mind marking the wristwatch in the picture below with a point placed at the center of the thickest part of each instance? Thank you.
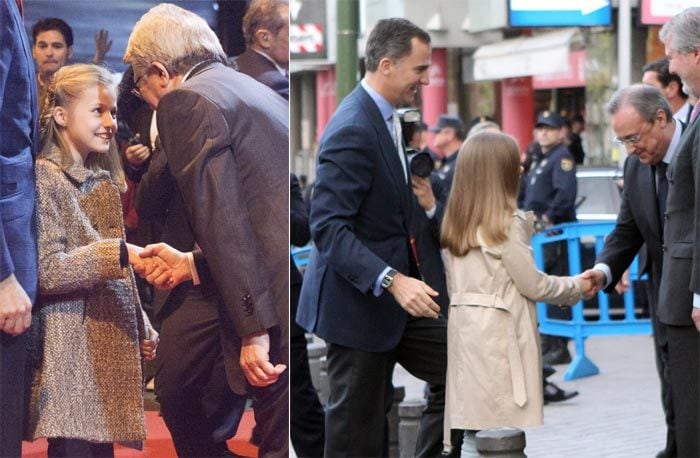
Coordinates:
(388, 278)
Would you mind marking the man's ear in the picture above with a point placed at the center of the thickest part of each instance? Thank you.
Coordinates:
(262, 38)
(385, 65)
(60, 115)
(70, 52)
(673, 89)
(162, 73)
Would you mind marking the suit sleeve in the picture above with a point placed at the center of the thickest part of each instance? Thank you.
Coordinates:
(625, 240)
(519, 261)
(7, 38)
(343, 178)
(298, 214)
(63, 270)
(197, 141)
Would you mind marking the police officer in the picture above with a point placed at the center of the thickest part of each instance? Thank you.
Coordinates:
(551, 194)
(449, 135)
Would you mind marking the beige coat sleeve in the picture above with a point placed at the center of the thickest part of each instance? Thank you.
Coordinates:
(518, 259)
(63, 269)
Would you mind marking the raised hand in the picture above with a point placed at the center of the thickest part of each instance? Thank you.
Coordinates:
(15, 307)
(414, 296)
(102, 46)
(255, 360)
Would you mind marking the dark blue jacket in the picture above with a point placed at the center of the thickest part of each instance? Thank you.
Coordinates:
(360, 216)
(18, 145)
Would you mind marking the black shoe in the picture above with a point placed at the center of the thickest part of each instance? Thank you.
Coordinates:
(547, 371)
(558, 355)
(553, 393)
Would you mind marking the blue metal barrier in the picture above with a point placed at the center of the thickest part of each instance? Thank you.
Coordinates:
(301, 256)
(579, 328)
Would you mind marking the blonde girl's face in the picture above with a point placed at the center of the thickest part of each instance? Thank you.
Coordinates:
(89, 121)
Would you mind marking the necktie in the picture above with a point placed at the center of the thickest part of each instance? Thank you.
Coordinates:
(662, 190)
(694, 113)
(398, 142)
(19, 7)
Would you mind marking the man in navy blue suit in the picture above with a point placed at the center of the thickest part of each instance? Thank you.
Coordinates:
(362, 293)
(266, 31)
(18, 257)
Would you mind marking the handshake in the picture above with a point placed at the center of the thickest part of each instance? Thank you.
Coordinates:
(160, 264)
(592, 281)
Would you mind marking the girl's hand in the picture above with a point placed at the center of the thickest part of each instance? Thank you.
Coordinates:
(149, 345)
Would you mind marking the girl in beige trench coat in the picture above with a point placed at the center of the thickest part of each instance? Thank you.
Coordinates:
(88, 331)
(494, 370)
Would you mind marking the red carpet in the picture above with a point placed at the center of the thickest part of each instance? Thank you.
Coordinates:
(159, 444)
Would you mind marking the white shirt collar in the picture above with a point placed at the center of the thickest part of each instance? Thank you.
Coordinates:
(279, 69)
(673, 146)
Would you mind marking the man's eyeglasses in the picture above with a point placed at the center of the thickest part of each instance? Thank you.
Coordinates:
(136, 91)
(631, 140)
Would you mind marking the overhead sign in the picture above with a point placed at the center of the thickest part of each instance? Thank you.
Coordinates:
(660, 11)
(559, 13)
(308, 37)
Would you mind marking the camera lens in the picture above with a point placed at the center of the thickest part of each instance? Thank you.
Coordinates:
(421, 164)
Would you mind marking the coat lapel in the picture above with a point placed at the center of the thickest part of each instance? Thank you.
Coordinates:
(388, 152)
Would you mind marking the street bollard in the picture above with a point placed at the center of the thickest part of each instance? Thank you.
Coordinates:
(393, 420)
(323, 389)
(501, 443)
(316, 351)
(409, 422)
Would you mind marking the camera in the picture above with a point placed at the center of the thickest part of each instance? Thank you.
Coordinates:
(420, 163)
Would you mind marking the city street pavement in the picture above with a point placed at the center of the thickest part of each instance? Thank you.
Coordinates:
(617, 414)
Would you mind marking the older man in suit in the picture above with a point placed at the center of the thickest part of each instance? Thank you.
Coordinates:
(644, 124)
(362, 292)
(266, 31)
(18, 257)
(679, 293)
(226, 144)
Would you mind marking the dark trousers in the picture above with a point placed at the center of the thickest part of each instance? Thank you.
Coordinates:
(60, 447)
(197, 405)
(13, 352)
(361, 391)
(662, 367)
(556, 262)
(306, 415)
(684, 367)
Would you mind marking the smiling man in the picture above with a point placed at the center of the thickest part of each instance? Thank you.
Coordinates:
(643, 122)
(362, 292)
(53, 46)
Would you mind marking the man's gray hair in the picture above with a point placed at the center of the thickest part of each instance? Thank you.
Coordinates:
(173, 36)
(646, 100)
(683, 30)
(483, 126)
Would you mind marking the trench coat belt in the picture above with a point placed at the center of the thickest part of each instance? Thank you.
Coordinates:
(517, 373)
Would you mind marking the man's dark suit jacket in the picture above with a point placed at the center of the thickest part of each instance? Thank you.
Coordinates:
(681, 255)
(262, 69)
(637, 223)
(299, 235)
(360, 216)
(226, 141)
(18, 145)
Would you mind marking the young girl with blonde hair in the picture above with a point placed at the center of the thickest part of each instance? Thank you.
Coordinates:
(88, 331)
(494, 370)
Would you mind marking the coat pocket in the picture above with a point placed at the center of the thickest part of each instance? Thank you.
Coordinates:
(682, 250)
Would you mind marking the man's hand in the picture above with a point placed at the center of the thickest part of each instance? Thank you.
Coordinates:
(102, 46)
(423, 192)
(414, 296)
(597, 277)
(15, 307)
(137, 154)
(255, 360)
(149, 345)
(695, 315)
(168, 269)
(624, 284)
